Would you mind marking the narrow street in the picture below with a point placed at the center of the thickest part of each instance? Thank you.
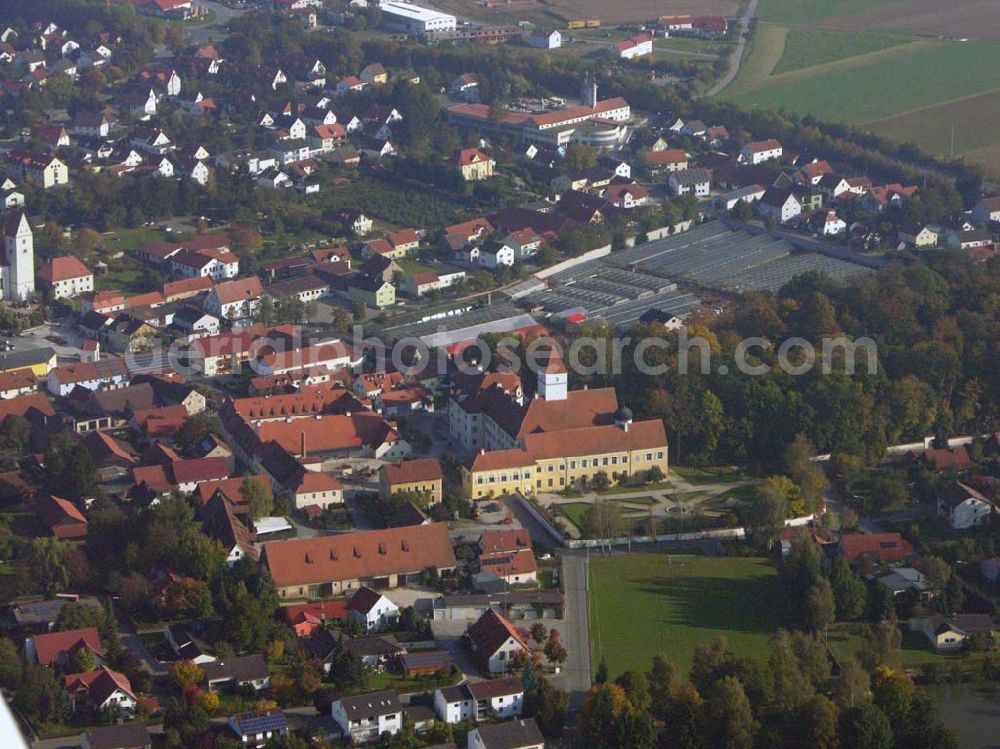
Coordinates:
(739, 52)
(576, 675)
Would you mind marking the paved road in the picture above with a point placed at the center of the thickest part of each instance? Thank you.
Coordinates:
(739, 52)
(216, 30)
(576, 675)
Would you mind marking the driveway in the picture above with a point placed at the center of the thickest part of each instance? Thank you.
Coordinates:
(448, 634)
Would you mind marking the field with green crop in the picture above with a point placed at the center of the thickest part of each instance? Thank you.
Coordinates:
(904, 87)
(804, 12)
(805, 48)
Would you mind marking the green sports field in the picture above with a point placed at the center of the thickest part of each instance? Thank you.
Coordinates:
(642, 604)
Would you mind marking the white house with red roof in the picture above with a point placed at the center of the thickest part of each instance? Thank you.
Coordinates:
(66, 277)
(496, 642)
(757, 152)
(633, 47)
(96, 691)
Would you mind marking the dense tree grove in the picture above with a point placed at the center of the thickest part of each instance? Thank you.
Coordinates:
(794, 700)
(932, 322)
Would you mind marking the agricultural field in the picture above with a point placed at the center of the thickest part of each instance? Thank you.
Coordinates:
(805, 48)
(896, 82)
(641, 604)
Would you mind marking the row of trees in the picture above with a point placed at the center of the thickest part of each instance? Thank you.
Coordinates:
(796, 699)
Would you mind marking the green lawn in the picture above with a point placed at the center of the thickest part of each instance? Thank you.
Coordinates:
(804, 12)
(625, 489)
(575, 512)
(634, 500)
(411, 266)
(707, 475)
(880, 85)
(805, 48)
(641, 604)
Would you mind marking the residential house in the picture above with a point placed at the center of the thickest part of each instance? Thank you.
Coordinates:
(374, 293)
(667, 160)
(423, 476)
(918, 235)
(513, 567)
(878, 198)
(484, 700)
(904, 580)
(779, 205)
(695, 182)
(545, 39)
(235, 300)
(627, 196)
(186, 645)
(757, 152)
(986, 211)
(238, 672)
(65, 276)
(525, 242)
(366, 717)
(308, 618)
(496, 642)
(879, 548)
(473, 164)
(61, 518)
(98, 691)
(374, 74)
(372, 611)
(120, 736)
(964, 507)
(258, 728)
(495, 254)
(41, 170)
(829, 224)
(57, 649)
(948, 634)
(512, 734)
(749, 194)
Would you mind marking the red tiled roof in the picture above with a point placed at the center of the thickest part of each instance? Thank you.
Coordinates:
(62, 268)
(665, 157)
(187, 286)
(232, 488)
(359, 555)
(505, 563)
(641, 435)
(61, 517)
(99, 685)
(491, 631)
(413, 471)
(317, 612)
(505, 540)
(236, 290)
(328, 433)
(888, 547)
(199, 469)
(49, 646)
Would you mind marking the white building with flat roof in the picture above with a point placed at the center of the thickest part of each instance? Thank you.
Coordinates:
(414, 19)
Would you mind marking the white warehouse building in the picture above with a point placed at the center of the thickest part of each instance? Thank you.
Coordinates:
(414, 19)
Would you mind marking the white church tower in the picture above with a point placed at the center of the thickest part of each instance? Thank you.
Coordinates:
(19, 256)
(553, 380)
